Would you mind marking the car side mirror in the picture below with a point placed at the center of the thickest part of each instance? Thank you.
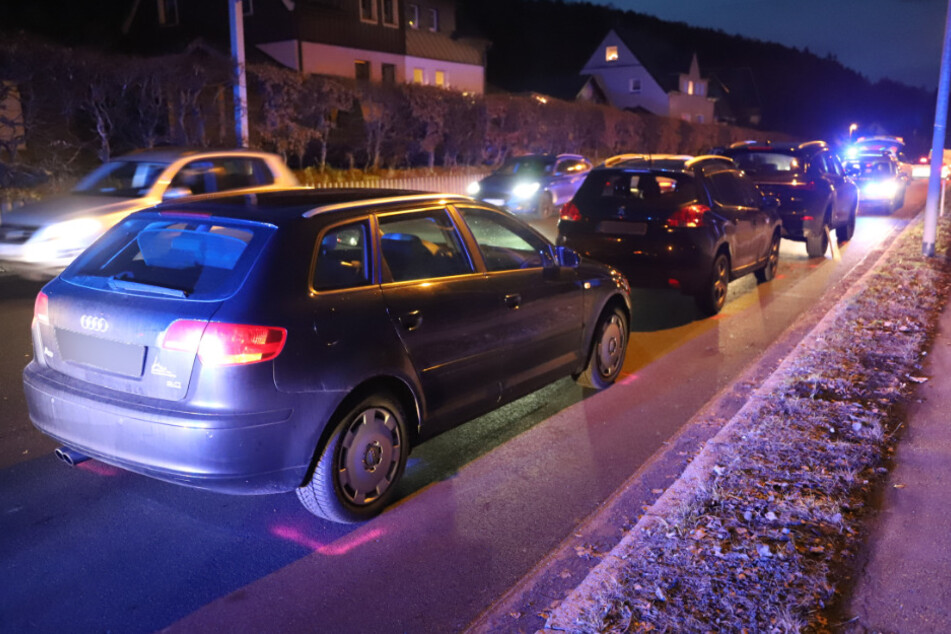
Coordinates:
(176, 192)
(567, 257)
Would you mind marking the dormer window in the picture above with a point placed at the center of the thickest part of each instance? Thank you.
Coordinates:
(635, 86)
(701, 88)
(610, 54)
(412, 16)
(689, 86)
(434, 20)
(368, 11)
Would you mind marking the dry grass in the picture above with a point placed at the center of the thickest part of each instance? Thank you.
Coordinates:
(764, 546)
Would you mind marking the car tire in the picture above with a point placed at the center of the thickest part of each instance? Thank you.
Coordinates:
(816, 246)
(546, 205)
(712, 297)
(846, 231)
(768, 270)
(356, 472)
(607, 350)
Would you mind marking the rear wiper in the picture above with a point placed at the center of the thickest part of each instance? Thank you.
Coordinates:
(117, 283)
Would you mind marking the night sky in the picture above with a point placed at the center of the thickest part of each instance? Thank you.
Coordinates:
(897, 39)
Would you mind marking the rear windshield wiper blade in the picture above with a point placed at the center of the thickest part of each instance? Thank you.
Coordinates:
(129, 285)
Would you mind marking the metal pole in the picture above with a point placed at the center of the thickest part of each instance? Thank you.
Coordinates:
(937, 144)
(236, 17)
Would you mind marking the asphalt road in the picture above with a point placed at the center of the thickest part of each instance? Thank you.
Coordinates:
(98, 549)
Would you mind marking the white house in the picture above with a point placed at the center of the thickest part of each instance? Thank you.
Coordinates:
(640, 75)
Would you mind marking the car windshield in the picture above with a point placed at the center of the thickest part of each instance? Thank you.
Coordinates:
(760, 164)
(875, 169)
(532, 166)
(636, 190)
(122, 179)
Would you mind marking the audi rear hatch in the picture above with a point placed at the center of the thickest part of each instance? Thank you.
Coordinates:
(127, 315)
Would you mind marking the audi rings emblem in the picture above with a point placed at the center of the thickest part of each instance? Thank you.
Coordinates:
(96, 324)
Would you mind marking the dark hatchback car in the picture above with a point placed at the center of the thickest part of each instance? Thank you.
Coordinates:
(675, 221)
(815, 193)
(307, 340)
(533, 184)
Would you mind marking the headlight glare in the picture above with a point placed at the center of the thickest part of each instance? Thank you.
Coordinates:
(525, 190)
(473, 188)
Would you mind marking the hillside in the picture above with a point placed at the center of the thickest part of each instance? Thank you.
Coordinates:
(799, 92)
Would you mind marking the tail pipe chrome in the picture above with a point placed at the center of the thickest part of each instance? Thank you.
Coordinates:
(70, 456)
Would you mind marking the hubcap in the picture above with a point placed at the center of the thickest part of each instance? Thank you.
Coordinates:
(720, 282)
(370, 453)
(610, 347)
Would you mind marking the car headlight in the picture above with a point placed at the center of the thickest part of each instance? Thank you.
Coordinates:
(881, 189)
(63, 239)
(473, 188)
(525, 190)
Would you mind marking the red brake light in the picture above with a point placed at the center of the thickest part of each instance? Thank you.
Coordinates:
(41, 308)
(219, 344)
(688, 216)
(569, 211)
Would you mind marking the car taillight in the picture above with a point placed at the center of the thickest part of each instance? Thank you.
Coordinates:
(688, 216)
(219, 344)
(569, 211)
(41, 308)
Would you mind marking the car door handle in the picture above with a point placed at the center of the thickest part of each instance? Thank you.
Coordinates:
(411, 320)
(513, 300)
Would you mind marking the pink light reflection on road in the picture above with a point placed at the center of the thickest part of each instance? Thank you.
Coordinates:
(99, 468)
(340, 547)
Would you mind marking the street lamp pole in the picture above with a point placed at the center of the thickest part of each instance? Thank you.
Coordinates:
(236, 18)
(937, 144)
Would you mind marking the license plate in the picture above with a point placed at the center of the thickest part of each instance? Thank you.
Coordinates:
(112, 356)
(623, 228)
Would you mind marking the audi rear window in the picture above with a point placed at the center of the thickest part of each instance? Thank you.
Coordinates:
(174, 256)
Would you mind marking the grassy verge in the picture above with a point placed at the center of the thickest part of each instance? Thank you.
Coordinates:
(763, 539)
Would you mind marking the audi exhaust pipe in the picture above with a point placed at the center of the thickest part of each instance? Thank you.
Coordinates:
(70, 456)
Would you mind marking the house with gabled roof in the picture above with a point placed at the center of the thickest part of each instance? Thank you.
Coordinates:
(641, 72)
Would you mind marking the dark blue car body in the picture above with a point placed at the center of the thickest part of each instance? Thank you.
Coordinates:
(217, 343)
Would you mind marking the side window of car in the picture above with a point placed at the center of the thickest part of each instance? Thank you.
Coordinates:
(198, 177)
(504, 245)
(726, 190)
(343, 257)
(751, 193)
(422, 245)
(241, 172)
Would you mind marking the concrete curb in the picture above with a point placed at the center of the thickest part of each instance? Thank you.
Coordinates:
(571, 612)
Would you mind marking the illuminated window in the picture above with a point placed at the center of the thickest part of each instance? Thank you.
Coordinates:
(390, 13)
(168, 12)
(412, 16)
(440, 78)
(362, 69)
(635, 86)
(610, 54)
(368, 11)
(418, 77)
(434, 20)
(689, 86)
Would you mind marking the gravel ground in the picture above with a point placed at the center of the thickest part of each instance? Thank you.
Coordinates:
(761, 532)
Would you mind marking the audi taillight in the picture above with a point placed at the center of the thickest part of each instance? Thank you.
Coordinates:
(41, 308)
(220, 344)
(569, 211)
(688, 216)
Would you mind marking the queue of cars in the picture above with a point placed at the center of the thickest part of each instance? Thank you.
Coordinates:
(245, 335)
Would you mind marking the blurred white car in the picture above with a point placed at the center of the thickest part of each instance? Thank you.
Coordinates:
(39, 240)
